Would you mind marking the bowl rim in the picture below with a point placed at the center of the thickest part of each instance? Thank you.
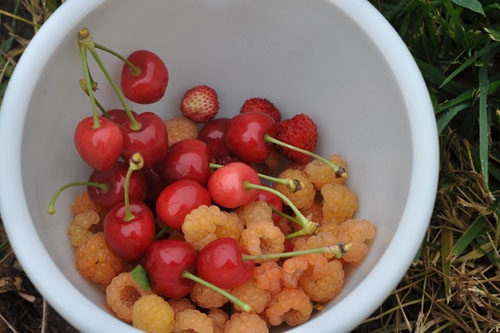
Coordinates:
(83, 314)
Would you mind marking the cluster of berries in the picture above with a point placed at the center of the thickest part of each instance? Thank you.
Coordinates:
(186, 226)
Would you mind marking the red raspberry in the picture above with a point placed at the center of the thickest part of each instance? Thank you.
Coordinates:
(261, 105)
(301, 132)
(223, 160)
(200, 104)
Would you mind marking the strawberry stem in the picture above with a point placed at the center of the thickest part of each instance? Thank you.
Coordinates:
(244, 306)
(51, 210)
(337, 170)
(293, 185)
(83, 85)
(136, 162)
(308, 227)
(135, 70)
(339, 250)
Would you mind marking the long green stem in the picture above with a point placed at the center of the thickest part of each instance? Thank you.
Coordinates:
(288, 217)
(83, 85)
(135, 70)
(293, 185)
(244, 306)
(51, 210)
(83, 54)
(339, 250)
(161, 232)
(133, 123)
(136, 162)
(338, 170)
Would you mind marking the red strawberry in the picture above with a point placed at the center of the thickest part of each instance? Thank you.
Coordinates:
(200, 104)
(261, 105)
(301, 132)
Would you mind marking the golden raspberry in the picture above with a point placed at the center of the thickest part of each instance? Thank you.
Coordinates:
(271, 164)
(122, 293)
(246, 323)
(193, 321)
(180, 128)
(355, 232)
(180, 304)
(284, 225)
(83, 203)
(78, 229)
(207, 298)
(313, 213)
(290, 305)
(268, 277)
(263, 238)
(205, 224)
(95, 261)
(322, 284)
(256, 211)
(219, 318)
(254, 296)
(320, 173)
(153, 314)
(339, 203)
(304, 198)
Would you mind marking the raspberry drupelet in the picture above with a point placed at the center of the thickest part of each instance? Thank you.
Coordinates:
(292, 306)
(180, 128)
(246, 323)
(79, 228)
(355, 232)
(83, 203)
(320, 173)
(180, 304)
(153, 314)
(268, 277)
(339, 203)
(205, 224)
(206, 297)
(314, 213)
(254, 296)
(95, 261)
(323, 283)
(262, 238)
(193, 321)
(303, 198)
(122, 293)
(256, 211)
(219, 318)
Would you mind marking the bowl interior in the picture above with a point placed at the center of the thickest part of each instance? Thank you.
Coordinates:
(306, 56)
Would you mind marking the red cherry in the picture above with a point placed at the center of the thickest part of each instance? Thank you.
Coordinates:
(119, 116)
(99, 147)
(115, 178)
(155, 183)
(213, 135)
(151, 141)
(129, 239)
(221, 263)
(187, 159)
(179, 199)
(166, 260)
(272, 199)
(226, 185)
(244, 136)
(148, 86)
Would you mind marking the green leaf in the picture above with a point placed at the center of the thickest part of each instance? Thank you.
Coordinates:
(476, 229)
(446, 117)
(140, 276)
(484, 122)
(434, 75)
(493, 33)
(473, 5)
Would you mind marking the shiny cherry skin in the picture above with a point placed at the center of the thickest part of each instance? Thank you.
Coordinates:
(244, 136)
(149, 86)
(213, 135)
(226, 185)
(165, 262)
(115, 178)
(129, 239)
(220, 262)
(151, 140)
(98, 147)
(273, 199)
(179, 199)
(155, 183)
(119, 116)
(187, 159)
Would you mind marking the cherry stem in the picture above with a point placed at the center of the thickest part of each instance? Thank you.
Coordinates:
(288, 217)
(337, 170)
(293, 185)
(83, 85)
(135, 70)
(244, 306)
(339, 250)
(136, 162)
(161, 232)
(83, 54)
(308, 227)
(51, 210)
(133, 123)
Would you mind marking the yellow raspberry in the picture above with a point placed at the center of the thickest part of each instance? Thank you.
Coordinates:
(254, 296)
(271, 164)
(246, 323)
(79, 228)
(206, 297)
(83, 203)
(292, 306)
(193, 321)
(153, 314)
(219, 318)
(339, 203)
(322, 284)
(304, 198)
(355, 232)
(320, 173)
(180, 304)
(256, 211)
(122, 293)
(268, 277)
(180, 128)
(263, 238)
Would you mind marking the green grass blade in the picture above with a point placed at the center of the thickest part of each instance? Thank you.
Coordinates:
(484, 122)
(493, 33)
(446, 246)
(473, 5)
(465, 96)
(456, 28)
(444, 118)
(434, 75)
(475, 230)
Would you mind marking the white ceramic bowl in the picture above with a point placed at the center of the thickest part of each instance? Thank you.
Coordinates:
(337, 60)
